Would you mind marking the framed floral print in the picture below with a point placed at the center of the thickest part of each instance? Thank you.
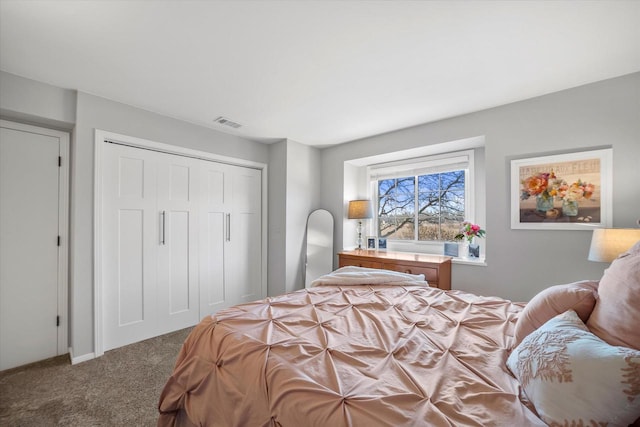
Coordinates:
(563, 191)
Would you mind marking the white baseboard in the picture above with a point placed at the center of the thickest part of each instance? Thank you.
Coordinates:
(80, 359)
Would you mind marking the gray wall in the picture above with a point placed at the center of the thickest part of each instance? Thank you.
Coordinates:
(277, 218)
(303, 196)
(32, 102)
(523, 262)
(294, 186)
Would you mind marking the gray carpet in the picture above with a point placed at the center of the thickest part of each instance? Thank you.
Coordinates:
(120, 388)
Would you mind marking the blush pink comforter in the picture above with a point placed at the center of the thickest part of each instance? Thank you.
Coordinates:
(350, 356)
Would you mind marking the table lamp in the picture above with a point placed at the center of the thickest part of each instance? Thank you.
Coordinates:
(360, 209)
(608, 243)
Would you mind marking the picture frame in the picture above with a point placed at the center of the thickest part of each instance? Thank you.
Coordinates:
(451, 249)
(382, 244)
(372, 242)
(474, 250)
(571, 191)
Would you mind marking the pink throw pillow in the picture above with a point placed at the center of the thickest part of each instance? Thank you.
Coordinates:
(579, 297)
(616, 316)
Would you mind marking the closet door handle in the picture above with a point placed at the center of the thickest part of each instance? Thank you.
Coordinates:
(228, 227)
(162, 229)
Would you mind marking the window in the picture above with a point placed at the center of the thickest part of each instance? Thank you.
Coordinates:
(432, 192)
(437, 206)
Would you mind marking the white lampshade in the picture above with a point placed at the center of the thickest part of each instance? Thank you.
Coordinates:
(360, 209)
(608, 243)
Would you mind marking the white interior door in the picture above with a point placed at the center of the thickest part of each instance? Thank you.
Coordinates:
(150, 243)
(181, 238)
(32, 297)
(178, 200)
(216, 189)
(244, 244)
(131, 237)
(231, 236)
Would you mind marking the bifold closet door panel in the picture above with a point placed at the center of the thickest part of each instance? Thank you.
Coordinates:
(215, 194)
(231, 237)
(243, 257)
(130, 243)
(178, 199)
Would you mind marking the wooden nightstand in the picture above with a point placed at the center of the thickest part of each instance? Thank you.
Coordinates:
(436, 268)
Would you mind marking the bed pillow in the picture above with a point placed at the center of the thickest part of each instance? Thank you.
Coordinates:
(357, 276)
(572, 377)
(616, 315)
(579, 297)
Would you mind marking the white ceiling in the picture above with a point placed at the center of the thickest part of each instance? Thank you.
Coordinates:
(318, 72)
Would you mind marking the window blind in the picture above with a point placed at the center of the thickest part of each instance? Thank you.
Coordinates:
(417, 167)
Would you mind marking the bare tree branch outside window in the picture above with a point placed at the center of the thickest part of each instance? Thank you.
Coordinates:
(440, 206)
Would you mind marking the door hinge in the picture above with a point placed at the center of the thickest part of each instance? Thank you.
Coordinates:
(59, 161)
(58, 240)
(57, 320)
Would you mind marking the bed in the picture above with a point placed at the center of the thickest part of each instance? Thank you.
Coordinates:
(386, 350)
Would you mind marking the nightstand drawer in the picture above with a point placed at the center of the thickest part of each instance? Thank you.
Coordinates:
(430, 274)
(346, 261)
(436, 268)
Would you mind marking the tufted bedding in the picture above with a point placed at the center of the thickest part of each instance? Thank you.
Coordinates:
(401, 355)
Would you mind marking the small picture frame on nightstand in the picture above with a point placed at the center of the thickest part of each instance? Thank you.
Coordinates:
(382, 244)
(474, 250)
(371, 242)
(451, 249)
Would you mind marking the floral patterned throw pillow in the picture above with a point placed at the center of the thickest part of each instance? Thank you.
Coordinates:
(572, 377)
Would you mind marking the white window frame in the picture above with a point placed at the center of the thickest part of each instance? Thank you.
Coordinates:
(423, 166)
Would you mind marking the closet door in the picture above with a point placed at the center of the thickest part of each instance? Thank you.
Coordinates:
(216, 195)
(182, 238)
(177, 276)
(231, 236)
(150, 220)
(243, 252)
(131, 238)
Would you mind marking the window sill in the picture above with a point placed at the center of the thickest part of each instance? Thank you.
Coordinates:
(436, 248)
(476, 262)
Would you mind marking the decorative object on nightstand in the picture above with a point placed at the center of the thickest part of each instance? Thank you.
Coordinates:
(608, 243)
(382, 244)
(467, 233)
(451, 249)
(372, 242)
(360, 209)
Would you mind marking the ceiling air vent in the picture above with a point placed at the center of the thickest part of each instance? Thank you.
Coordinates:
(224, 121)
